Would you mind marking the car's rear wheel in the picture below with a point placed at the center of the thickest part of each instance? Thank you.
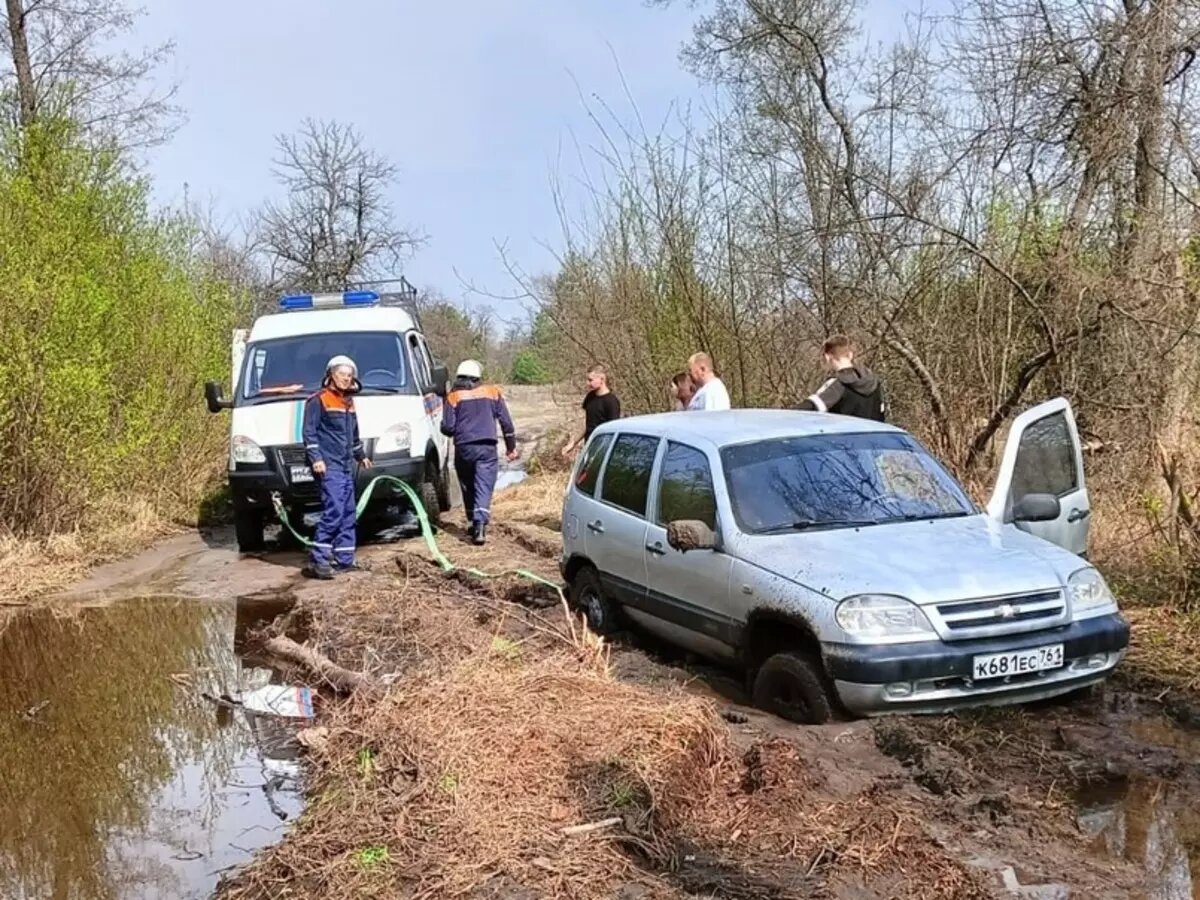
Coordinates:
(443, 487)
(430, 500)
(793, 687)
(602, 615)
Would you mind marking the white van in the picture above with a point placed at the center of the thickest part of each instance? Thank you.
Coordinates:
(281, 361)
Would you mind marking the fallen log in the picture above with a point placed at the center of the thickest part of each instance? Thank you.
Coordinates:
(342, 680)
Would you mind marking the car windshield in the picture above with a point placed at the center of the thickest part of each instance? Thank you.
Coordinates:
(285, 368)
(837, 481)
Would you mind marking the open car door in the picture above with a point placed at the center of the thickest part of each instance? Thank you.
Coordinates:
(1043, 456)
(237, 352)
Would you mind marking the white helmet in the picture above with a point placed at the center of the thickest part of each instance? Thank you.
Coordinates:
(469, 368)
(339, 361)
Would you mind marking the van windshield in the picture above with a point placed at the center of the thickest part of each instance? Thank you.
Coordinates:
(837, 481)
(291, 367)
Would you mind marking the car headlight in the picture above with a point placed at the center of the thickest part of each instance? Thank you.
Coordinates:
(874, 616)
(1089, 592)
(395, 439)
(245, 450)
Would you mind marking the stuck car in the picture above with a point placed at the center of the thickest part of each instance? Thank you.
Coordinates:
(839, 563)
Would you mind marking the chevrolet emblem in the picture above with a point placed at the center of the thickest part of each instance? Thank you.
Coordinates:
(1006, 611)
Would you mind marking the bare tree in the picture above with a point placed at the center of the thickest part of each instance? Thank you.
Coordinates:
(336, 224)
(63, 65)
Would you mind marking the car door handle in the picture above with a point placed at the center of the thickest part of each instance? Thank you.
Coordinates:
(656, 548)
(1078, 515)
(597, 526)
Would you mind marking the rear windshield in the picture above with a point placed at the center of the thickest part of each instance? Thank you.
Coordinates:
(837, 481)
(290, 367)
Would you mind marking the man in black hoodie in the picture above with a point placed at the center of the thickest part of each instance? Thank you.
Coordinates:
(853, 390)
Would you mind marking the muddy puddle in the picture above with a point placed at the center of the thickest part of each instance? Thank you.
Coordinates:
(119, 779)
(1145, 822)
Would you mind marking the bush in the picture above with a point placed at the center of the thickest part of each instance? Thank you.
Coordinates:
(111, 328)
(529, 368)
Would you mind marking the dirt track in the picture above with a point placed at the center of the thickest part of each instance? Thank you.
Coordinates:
(1088, 798)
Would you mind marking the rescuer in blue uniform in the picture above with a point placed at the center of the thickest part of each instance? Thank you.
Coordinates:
(469, 417)
(334, 451)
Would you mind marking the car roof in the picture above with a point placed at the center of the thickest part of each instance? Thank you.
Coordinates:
(722, 428)
(324, 321)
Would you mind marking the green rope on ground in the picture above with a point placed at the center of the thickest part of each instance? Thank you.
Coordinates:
(426, 531)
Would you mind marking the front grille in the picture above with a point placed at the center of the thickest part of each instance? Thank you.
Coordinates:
(1002, 615)
(293, 455)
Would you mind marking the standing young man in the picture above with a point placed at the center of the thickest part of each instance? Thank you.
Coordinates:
(334, 451)
(854, 390)
(710, 390)
(600, 405)
(469, 416)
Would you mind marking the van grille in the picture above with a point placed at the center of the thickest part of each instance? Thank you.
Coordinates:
(293, 455)
(1002, 615)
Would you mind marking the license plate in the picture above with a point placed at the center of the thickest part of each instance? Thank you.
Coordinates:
(1018, 662)
(301, 473)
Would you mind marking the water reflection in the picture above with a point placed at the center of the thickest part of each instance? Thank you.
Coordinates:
(1138, 820)
(119, 779)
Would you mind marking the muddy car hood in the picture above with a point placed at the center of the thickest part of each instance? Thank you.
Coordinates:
(927, 562)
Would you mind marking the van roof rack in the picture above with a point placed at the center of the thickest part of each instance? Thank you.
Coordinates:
(403, 295)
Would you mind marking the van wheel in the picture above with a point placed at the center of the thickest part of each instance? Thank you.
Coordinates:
(443, 487)
(792, 686)
(603, 616)
(248, 525)
(431, 501)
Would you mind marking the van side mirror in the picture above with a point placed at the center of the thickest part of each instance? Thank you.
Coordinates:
(441, 375)
(691, 534)
(1037, 508)
(214, 398)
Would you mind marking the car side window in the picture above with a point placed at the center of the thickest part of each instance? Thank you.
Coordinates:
(626, 481)
(589, 466)
(685, 487)
(1045, 459)
(424, 373)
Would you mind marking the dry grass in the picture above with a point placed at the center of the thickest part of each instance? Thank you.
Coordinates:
(1164, 654)
(501, 731)
(32, 568)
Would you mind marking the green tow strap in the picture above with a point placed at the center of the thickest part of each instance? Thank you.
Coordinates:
(426, 532)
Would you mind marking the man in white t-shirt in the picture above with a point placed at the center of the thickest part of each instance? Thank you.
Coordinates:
(710, 390)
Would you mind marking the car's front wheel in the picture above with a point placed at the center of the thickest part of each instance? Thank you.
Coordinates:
(587, 596)
(248, 525)
(792, 686)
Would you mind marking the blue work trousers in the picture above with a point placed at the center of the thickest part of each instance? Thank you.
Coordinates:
(477, 466)
(335, 531)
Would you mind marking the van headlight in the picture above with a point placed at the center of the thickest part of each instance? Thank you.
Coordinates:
(396, 439)
(245, 450)
(1089, 593)
(876, 616)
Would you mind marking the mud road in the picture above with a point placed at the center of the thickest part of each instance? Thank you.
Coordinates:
(132, 770)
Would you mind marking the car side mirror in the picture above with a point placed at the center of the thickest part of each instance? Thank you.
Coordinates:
(1037, 508)
(691, 534)
(441, 375)
(213, 397)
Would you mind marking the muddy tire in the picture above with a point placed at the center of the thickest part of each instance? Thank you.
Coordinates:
(248, 525)
(443, 488)
(603, 616)
(431, 501)
(792, 686)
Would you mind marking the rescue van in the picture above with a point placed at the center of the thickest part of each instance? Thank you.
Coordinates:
(281, 360)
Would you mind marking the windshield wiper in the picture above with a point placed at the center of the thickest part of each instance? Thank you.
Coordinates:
(806, 524)
(922, 517)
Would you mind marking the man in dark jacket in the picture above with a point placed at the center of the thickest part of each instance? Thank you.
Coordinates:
(469, 416)
(334, 451)
(853, 390)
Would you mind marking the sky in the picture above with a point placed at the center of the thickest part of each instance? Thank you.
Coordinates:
(480, 104)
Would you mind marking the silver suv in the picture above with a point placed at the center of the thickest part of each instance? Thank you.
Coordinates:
(839, 563)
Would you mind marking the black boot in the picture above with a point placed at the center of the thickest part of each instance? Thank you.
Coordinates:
(480, 535)
(321, 573)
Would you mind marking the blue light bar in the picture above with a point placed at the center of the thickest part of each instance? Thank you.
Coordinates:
(327, 301)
